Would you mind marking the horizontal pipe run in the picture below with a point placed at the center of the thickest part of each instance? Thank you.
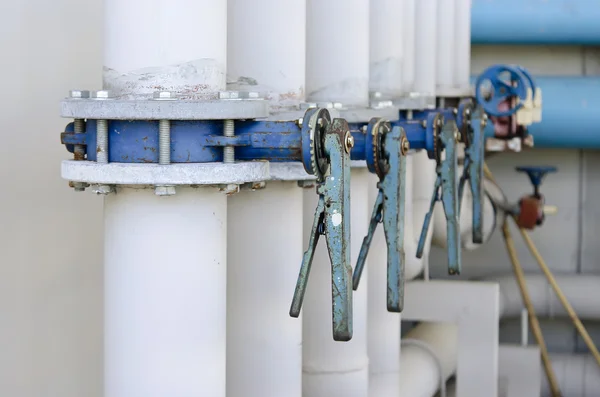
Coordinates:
(535, 22)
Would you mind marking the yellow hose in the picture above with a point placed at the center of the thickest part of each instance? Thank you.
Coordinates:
(561, 296)
(533, 320)
(552, 281)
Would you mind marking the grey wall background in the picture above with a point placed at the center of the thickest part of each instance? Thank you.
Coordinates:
(51, 237)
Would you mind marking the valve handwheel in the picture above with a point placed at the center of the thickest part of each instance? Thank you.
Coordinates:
(506, 82)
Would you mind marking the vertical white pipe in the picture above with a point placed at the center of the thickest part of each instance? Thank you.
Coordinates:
(383, 327)
(462, 58)
(165, 291)
(386, 47)
(408, 34)
(267, 49)
(337, 51)
(445, 46)
(156, 45)
(264, 344)
(425, 46)
(335, 368)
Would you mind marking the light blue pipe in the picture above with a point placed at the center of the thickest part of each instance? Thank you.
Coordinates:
(570, 113)
(535, 22)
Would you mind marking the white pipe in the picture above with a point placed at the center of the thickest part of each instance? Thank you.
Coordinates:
(386, 47)
(165, 293)
(577, 375)
(408, 36)
(420, 370)
(264, 344)
(335, 368)
(383, 327)
(462, 51)
(267, 48)
(581, 290)
(337, 51)
(425, 47)
(445, 50)
(419, 188)
(156, 45)
(465, 222)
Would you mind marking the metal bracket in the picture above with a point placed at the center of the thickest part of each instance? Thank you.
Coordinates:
(147, 109)
(326, 154)
(446, 181)
(386, 156)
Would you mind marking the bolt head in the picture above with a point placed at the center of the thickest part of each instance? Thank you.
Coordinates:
(164, 95)
(103, 189)
(259, 185)
(308, 105)
(229, 95)
(405, 146)
(101, 94)
(230, 189)
(165, 191)
(250, 95)
(79, 94)
(349, 141)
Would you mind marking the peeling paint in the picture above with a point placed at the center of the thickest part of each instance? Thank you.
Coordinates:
(199, 79)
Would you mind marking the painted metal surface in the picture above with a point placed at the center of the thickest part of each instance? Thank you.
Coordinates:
(535, 22)
(472, 136)
(330, 163)
(389, 163)
(202, 141)
(536, 174)
(446, 190)
(502, 88)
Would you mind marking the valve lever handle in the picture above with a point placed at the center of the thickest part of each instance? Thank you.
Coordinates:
(393, 187)
(427, 221)
(476, 153)
(326, 149)
(336, 191)
(307, 259)
(376, 217)
(448, 170)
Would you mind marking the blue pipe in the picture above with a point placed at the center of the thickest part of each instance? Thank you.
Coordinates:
(535, 22)
(570, 113)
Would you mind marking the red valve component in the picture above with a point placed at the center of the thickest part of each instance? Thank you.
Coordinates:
(531, 212)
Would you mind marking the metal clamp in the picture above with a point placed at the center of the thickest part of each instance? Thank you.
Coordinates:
(445, 139)
(386, 150)
(326, 149)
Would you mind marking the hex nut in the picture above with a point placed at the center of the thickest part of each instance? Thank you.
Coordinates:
(165, 190)
(101, 94)
(229, 95)
(230, 189)
(103, 189)
(79, 94)
(164, 95)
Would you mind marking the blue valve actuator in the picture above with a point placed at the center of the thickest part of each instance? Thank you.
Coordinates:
(536, 174)
(506, 82)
